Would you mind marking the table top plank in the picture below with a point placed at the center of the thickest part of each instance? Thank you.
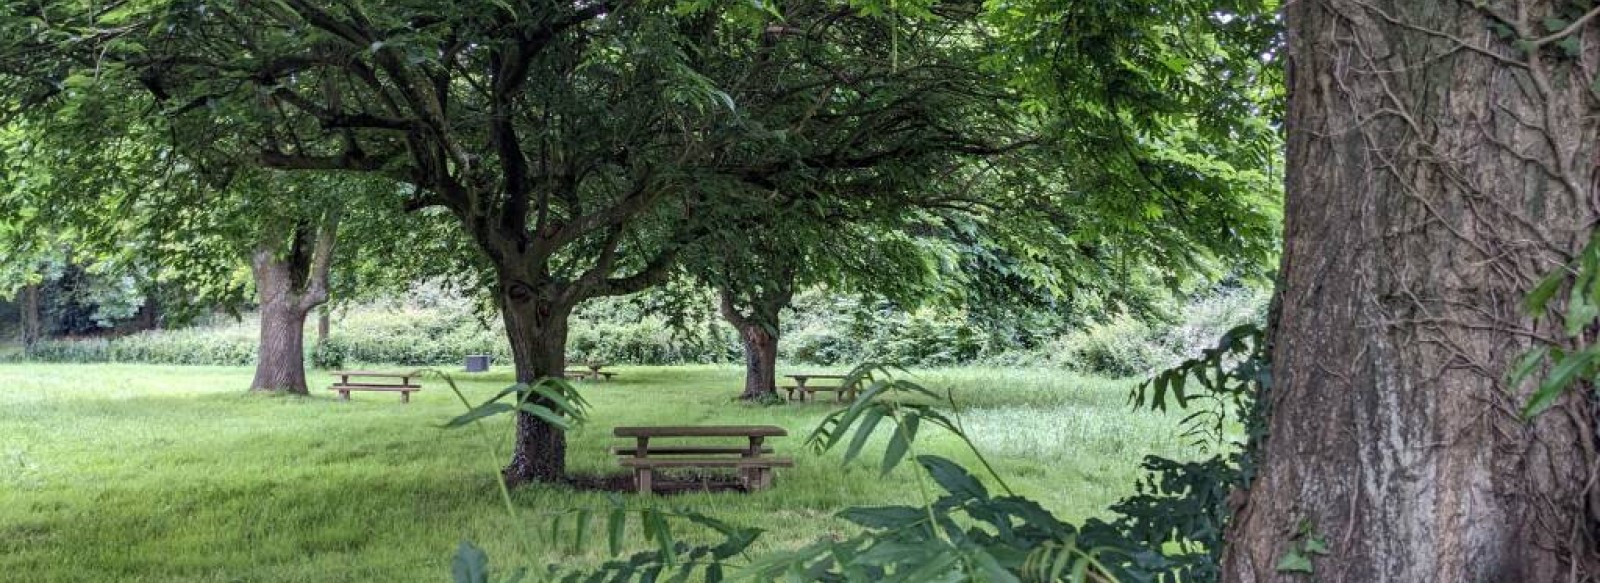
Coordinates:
(702, 431)
(371, 373)
(817, 376)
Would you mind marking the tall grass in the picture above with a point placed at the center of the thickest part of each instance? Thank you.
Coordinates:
(153, 473)
(828, 330)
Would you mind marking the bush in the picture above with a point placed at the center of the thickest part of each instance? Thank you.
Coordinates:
(1127, 346)
(822, 329)
(230, 345)
(1122, 346)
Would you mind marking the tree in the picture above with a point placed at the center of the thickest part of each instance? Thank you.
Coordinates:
(291, 279)
(756, 284)
(912, 94)
(1441, 159)
(99, 176)
(579, 146)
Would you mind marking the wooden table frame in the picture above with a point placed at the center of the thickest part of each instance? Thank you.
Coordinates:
(593, 372)
(405, 388)
(845, 392)
(754, 474)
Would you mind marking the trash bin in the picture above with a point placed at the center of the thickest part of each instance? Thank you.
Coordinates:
(477, 362)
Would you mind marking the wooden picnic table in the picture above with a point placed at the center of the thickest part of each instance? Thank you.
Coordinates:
(800, 380)
(755, 469)
(405, 387)
(590, 371)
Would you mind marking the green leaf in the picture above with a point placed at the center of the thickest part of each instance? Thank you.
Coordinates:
(884, 517)
(544, 413)
(899, 443)
(1526, 364)
(991, 569)
(1569, 367)
(1541, 294)
(656, 528)
(869, 423)
(953, 478)
(1294, 562)
(479, 412)
(1316, 546)
(580, 533)
(470, 565)
(1571, 46)
(616, 526)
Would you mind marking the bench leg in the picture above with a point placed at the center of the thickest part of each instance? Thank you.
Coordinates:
(405, 397)
(344, 395)
(763, 478)
(642, 479)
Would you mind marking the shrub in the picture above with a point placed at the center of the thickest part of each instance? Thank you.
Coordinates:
(822, 329)
(228, 345)
(1122, 346)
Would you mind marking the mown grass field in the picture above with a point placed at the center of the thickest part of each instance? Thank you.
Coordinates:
(160, 473)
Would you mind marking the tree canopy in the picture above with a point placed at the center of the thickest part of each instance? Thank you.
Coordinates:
(582, 148)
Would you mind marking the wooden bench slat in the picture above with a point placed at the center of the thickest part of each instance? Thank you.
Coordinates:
(731, 462)
(685, 450)
(702, 431)
(356, 387)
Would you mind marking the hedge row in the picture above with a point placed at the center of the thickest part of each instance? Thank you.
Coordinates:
(822, 330)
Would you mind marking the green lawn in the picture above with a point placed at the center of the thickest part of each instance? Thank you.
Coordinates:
(158, 473)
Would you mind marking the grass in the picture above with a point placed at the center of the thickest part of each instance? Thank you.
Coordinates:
(163, 473)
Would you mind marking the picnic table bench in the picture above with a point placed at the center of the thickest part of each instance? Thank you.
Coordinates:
(405, 387)
(750, 459)
(844, 392)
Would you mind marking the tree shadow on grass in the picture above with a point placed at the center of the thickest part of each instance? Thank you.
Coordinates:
(668, 485)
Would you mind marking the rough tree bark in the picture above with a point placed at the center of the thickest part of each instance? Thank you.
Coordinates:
(289, 284)
(1435, 173)
(536, 324)
(758, 331)
(324, 325)
(32, 319)
(149, 315)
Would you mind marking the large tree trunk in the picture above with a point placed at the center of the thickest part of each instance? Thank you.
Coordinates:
(1429, 186)
(289, 284)
(32, 317)
(280, 361)
(536, 324)
(757, 324)
(149, 315)
(760, 362)
(324, 325)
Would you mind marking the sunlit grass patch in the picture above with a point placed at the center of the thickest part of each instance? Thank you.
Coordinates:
(160, 473)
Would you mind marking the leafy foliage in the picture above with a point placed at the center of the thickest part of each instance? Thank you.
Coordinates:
(1573, 359)
(1187, 504)
(963, 532)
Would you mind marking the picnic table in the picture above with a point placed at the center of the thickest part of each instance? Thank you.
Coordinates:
(844, 392)
(590, 371)
(404, 387)
(750, 459)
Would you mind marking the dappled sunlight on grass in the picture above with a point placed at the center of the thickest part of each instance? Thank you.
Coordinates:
(123, 472)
